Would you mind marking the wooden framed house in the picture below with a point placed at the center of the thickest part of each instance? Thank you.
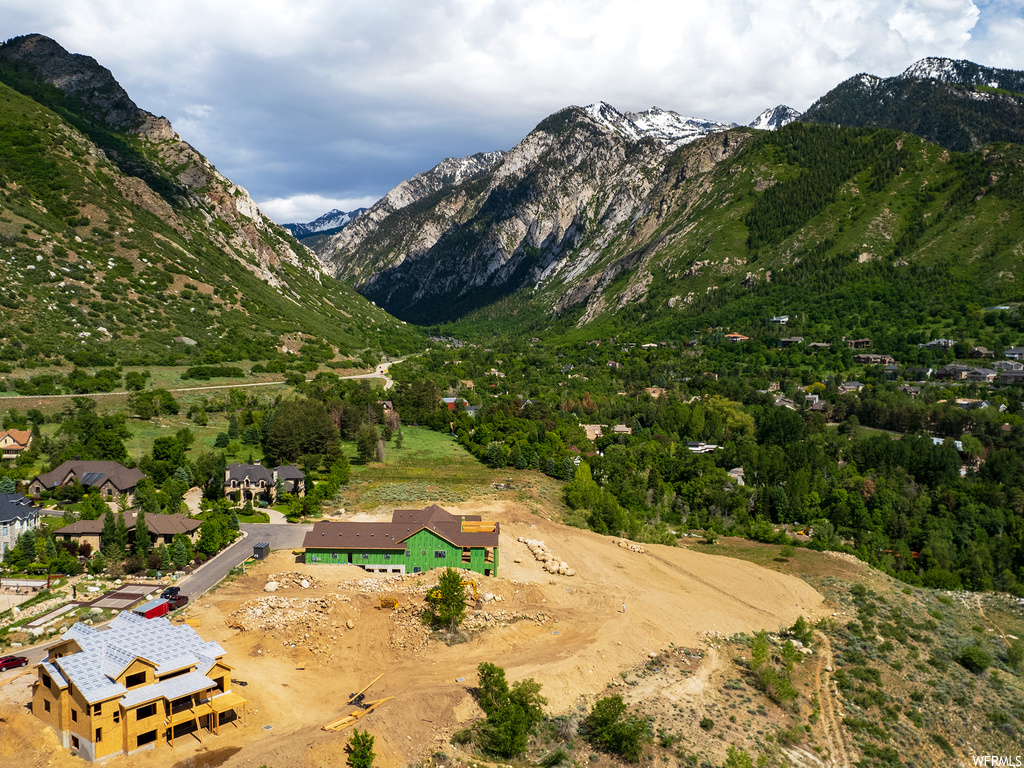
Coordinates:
(138, 685)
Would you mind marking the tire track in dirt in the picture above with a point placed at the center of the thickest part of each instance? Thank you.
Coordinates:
(703, 582)
(828, 702)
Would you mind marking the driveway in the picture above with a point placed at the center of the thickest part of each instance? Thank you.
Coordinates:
(279, 536)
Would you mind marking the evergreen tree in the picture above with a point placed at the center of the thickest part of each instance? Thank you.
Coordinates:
(366, 443)
(142, 535)
(181, 551)
(7, 485)
(109, 531)
(360, 750)
(233, 428)
(165, 557)
(120, 540)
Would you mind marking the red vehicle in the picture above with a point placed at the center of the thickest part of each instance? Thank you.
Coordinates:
(10, 662)
(176, 602)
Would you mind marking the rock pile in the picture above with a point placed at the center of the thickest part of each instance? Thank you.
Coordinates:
(291, 580)
(543, 555)
(625, 544)
(293, 615)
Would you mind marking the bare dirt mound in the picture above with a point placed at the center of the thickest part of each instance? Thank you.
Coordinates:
(302, 650)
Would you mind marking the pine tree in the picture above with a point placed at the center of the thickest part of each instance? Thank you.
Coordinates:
(109, 530)
(360, 750)
(142, 536)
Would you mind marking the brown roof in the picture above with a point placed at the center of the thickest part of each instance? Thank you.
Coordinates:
(20, 436)
(404, 523)
(161, 525)
(96, 472)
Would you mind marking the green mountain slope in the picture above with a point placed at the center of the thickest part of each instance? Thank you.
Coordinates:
(850, 230)
(120, 243)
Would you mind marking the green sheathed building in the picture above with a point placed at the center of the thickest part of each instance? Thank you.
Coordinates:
(415, 540)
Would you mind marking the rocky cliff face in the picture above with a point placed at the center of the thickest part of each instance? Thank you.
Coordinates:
(542, 215)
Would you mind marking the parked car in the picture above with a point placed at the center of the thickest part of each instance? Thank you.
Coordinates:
(176, 602)
(10, 662)
(170, 592)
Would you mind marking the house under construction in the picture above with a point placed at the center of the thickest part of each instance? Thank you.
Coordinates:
(138, 685)
(415, 540)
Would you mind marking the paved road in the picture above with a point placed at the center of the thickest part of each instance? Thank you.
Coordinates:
(279, 536)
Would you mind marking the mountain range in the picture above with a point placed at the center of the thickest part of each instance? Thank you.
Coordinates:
(122, 243)
(597, 210)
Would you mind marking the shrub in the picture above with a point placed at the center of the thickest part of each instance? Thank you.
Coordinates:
(975, 659)
(447, 601)
(609, 728)
(707, 723)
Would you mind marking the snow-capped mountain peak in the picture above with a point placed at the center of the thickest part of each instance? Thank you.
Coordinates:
(774, 118)
(664, 126)
(331, 220)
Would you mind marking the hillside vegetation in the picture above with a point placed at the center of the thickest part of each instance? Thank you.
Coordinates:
(126, 246)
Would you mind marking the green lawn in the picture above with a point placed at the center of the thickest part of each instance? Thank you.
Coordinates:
(430, 467)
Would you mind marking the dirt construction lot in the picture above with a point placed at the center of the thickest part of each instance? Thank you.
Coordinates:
(301, 651)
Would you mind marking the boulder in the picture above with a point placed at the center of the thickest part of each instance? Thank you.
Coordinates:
(271, 586)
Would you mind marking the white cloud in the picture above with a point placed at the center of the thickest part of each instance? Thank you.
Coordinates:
(301, 209)
(344, 99)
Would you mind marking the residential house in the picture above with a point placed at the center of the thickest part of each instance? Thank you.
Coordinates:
(1011, 377)
(789, 341)
(736, 338)
(850, 386)
(818, 346)
(858, 343)
(701, 447)
(1014, 353)
(981, 375)
(1008, 365)
(869, 358)
(162, 529)
(17, 515)
(622, 429)
(415, 540)
(655, 392)
(13, 442)
(111, 478)
(613, 364)
(953, 372)
(139, 684)
(453, 402)
(938, 344)
(779, 320)
(254, 482)
(910, 390)
(593, 431)
(978, 353)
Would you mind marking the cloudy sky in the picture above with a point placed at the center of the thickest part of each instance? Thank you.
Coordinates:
(317, 104)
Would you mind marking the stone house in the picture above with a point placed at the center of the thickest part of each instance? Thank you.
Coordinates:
(255, 482)
(111, 478)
